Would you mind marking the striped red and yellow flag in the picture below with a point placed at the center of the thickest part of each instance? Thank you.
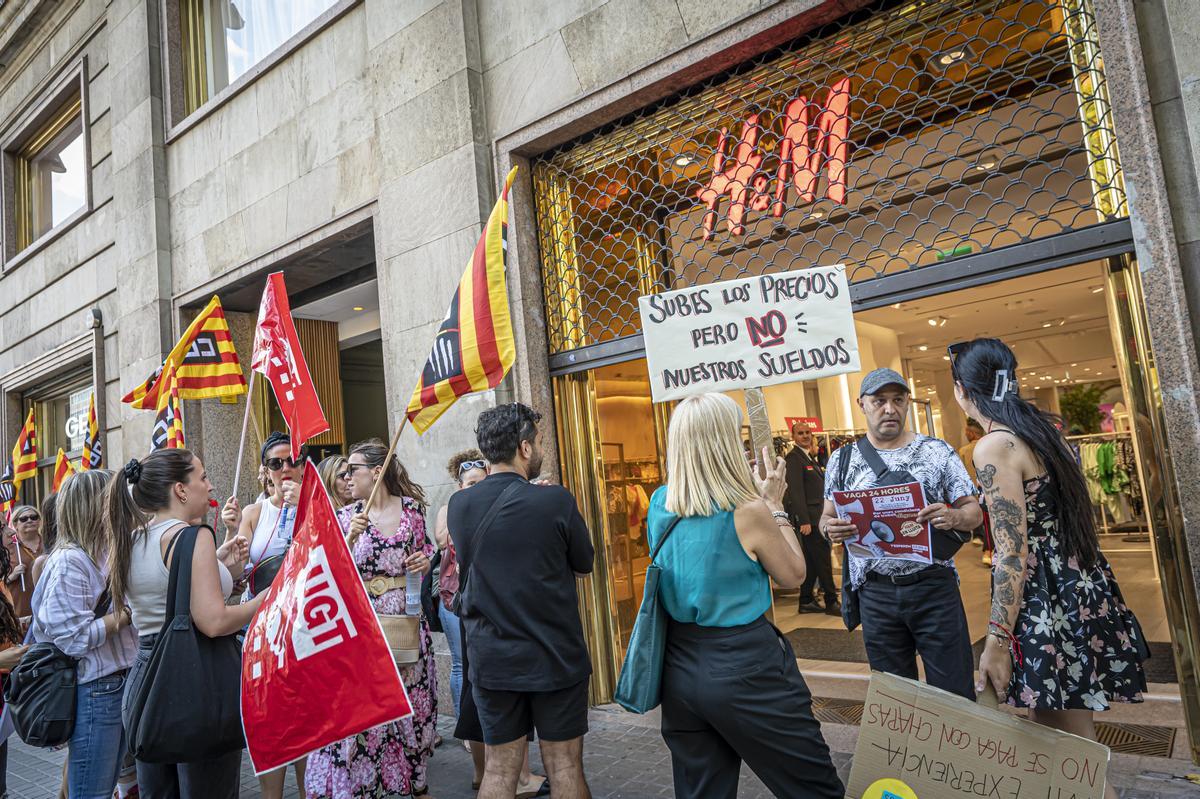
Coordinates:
(168, 426)
(62, 469)
(8, 491)
(206, 364)
(25, 453)
(474, 347)
(92, 455)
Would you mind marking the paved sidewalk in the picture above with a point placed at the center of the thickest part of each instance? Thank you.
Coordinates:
(625, 759)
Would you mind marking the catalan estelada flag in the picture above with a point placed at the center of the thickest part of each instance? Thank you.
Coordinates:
(206, 364)
(474, 347)
(62, 469)
(25, 453)
(92, 456)
(168, 426)
(8, 491)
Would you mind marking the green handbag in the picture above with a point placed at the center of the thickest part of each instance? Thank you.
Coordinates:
(639, 686)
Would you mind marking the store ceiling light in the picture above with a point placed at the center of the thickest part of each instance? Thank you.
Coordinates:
(952, 57)
(817, 214)
(1046, 324)
(1097, 289)
(358, 307)
(986, 166)
(683, 160)
(923, 347)
(945, 357)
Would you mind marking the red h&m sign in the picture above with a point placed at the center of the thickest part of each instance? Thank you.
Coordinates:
(814, 140)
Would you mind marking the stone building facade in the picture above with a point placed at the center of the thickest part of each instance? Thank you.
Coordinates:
(359, 148)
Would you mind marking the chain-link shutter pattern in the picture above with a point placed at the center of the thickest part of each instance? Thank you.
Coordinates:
(900, 136)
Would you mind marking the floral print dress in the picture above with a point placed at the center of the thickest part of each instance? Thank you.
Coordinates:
(1078, 640)
(392, 758)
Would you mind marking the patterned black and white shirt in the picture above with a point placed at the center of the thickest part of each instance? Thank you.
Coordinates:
(932, 461)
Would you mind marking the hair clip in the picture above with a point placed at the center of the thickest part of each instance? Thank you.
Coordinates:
(1001, 387)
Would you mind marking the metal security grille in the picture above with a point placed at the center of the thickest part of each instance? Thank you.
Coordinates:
(903, 135)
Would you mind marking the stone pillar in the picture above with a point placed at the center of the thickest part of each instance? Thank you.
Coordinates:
(140, 212)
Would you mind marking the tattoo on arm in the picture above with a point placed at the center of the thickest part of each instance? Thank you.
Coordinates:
(1009, 524)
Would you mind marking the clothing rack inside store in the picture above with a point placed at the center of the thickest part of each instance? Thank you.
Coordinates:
(1139, 533)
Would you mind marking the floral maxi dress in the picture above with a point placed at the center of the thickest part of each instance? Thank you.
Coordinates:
(1078, 640)
(392, 758)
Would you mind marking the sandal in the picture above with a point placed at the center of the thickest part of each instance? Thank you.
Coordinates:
(542, 790)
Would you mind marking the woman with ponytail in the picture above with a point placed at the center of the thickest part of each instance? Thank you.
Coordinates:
(146, 505)
(1057, 612)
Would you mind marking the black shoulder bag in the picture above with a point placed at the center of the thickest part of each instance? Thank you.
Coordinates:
(186, 706)
(40, 691)
(429, 595)
(459, 603)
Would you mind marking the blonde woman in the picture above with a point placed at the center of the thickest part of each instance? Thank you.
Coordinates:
(75, 612)
(731, 690)
(336, 480)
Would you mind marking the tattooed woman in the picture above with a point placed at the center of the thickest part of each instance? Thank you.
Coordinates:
(1061, 641)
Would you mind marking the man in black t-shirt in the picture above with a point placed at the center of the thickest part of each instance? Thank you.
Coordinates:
(519, 548)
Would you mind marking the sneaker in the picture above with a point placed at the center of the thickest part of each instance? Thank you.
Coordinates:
(811, 606)
(832, 608)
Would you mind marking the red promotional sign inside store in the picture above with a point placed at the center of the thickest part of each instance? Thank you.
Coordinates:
(315, 667)
(805, 151)
(811, 422)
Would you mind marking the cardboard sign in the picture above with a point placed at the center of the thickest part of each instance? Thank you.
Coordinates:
(886, 519)
(919, 741)
(754, 331)
(813, 423)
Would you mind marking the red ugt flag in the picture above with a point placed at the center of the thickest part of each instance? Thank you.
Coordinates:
(278, 356)
(315, 667)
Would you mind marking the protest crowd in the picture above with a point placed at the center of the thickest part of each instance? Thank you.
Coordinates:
(156, 632)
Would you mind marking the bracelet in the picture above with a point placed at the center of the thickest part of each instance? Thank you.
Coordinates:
(1014, 646)
(781, 516)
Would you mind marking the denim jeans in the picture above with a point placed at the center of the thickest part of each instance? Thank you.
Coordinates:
(97, 746)
(453, 629)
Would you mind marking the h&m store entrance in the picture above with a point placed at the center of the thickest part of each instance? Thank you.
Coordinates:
(959, 158)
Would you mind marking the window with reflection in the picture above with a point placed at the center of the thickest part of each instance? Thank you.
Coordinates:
(50, 174)
(223, 39)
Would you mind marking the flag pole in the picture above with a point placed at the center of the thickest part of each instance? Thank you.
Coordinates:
(387, 460)
(237, 472)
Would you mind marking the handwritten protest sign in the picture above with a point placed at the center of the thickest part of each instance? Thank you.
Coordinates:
(886, 522)
(919, 741)
(753, 331)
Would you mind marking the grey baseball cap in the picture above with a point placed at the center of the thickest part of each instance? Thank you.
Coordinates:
(879, 378)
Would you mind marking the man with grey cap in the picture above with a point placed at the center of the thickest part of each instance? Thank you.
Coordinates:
(906, 607)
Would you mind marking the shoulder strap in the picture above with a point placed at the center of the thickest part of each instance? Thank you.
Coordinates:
(663, 540)
(177, 529)
(871, 456)
(179, 587)
(843, 467)
(497, 505)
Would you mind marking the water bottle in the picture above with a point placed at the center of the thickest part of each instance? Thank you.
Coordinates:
(412, 593)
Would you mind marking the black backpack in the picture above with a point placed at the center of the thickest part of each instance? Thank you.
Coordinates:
(40, 692)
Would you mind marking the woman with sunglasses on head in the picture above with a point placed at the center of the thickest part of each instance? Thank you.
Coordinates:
(146, 506)
(336, 480)
(268, 526)
(1057, 611)
(74, 612)
(24, 547)
(389, 545)
(468, 468)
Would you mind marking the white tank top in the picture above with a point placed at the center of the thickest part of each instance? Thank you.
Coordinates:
(269, 537)
(146, 591)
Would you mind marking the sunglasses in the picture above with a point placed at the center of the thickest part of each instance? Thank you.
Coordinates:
(275, 464)
(467, 466)
(28, 518)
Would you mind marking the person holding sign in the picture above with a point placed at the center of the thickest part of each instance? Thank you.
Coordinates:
(1057, 611)
(906, 607)
(731, 690)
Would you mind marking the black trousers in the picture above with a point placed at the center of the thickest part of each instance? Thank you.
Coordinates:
(819, 561)
(734, 693)
(926, 618)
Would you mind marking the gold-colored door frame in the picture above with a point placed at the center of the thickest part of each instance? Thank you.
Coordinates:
(1139, 376)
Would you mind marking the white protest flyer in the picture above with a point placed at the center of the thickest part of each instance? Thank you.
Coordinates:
(886, 521)
(749, 332)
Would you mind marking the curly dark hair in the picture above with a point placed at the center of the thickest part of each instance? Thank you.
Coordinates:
(501, 430)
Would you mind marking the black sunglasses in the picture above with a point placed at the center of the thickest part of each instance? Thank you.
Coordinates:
(275, 464)
(34, 518)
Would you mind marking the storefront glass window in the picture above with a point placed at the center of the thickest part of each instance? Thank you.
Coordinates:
(901, 136)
